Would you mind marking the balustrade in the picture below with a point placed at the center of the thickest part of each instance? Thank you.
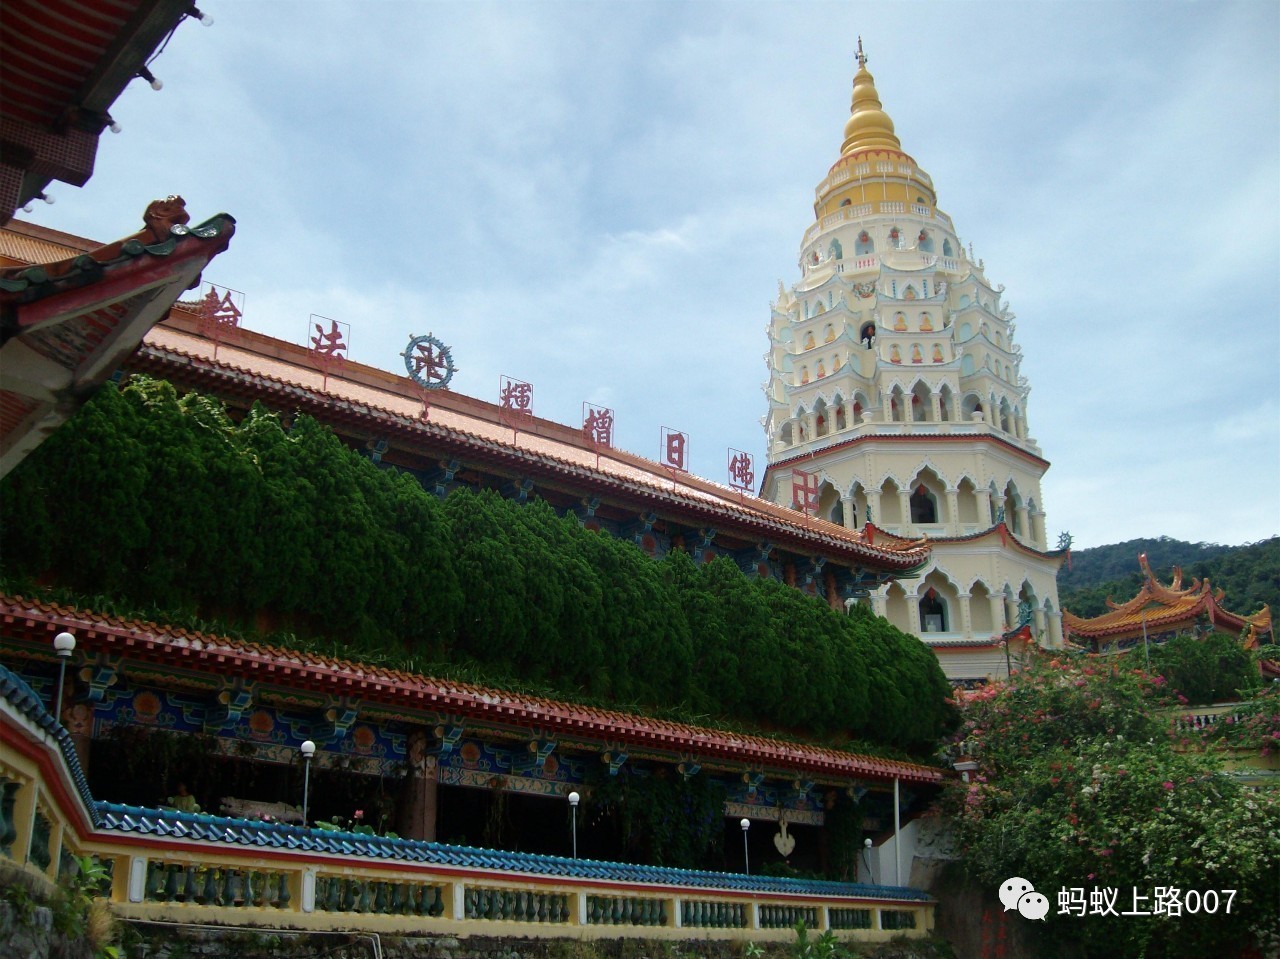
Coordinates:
(713, 914)
(191, 883)
(786, 917)
(626, 911)
(515, 905)
(849, 918)
(897, 919)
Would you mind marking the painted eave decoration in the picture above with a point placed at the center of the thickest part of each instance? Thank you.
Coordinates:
(66, 326)
(33, 623)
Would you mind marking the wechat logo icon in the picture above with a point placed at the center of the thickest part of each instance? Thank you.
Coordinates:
(1017, 893)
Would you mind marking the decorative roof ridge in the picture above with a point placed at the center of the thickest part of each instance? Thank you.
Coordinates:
(909, 437)
(1007, 536)
(165, 229)
(465, 694)
(200, 826)
(23, 698)
(1174, 590)
(754, 507)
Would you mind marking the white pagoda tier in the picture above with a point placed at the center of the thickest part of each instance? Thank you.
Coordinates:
(897, 405)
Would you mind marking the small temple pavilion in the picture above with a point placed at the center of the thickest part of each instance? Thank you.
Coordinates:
(1158, 612)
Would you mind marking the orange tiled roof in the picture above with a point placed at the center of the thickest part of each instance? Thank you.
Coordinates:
(181, 649)
(1158, 608)
(265, 363)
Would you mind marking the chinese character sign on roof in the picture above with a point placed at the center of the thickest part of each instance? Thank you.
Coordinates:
(742, 471)
(597, 425)
(515, 397)
(675, 449)
(429, 362)
(804, 492)
(328, 338)
(221, 310)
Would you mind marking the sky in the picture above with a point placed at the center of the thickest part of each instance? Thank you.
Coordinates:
(600, 199)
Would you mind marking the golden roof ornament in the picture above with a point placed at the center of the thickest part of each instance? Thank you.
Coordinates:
(869, 127)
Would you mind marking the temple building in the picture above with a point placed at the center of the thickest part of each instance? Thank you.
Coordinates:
(1158, 612)
(896, 405)
(447, 765)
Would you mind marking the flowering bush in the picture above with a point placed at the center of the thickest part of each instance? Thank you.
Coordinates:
(1078, 785)
(1255, 725)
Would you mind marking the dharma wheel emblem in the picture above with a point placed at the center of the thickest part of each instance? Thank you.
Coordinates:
(429, 362)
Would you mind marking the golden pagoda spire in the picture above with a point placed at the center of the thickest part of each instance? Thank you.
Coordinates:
(869, 127)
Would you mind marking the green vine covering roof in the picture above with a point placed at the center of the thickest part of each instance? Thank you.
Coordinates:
(171, 504)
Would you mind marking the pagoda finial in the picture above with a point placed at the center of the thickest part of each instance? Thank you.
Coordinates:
(868, 127)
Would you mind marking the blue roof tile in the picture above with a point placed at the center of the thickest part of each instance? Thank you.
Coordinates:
(23, 698)
(245, 832)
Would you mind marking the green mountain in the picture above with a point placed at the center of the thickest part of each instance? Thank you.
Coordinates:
(1250, 574)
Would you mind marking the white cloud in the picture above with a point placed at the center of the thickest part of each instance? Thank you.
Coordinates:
(600, 199)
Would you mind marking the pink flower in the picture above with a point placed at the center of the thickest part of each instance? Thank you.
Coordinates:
(359, 813)
(1167, 784)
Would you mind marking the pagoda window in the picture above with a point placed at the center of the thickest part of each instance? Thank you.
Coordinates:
(966, 364)
(898, 405)
(980, 610)
(785, 434)
(967, 502)
(839, 414)
(835, 251)
(933, 613)
(966, 331)
(946, 248)
(868, 334)
(829, 506)
(925, 241)
(921, 403)
(895, 238)
(924, 508)
(846, 202)
(890, 505)
(820, 424)
(946, 403)
(864, 245)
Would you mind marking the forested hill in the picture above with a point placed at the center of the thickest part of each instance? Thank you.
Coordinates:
(1250, 574)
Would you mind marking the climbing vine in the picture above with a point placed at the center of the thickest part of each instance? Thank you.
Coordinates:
(170, 504)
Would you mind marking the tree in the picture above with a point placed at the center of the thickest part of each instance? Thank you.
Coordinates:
(1079, 786)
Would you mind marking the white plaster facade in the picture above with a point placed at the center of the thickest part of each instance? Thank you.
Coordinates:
(894, 376)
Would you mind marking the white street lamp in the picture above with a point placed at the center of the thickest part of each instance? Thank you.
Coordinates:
(574, 798)
(64, 645)
(308, 750)
(746, 855)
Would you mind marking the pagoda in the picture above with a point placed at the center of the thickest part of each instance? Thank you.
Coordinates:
(897, 406)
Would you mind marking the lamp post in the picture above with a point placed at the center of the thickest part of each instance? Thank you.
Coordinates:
(866, 857)
(64, 645)
(573, 804)
(308, 749)
(746, 854)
